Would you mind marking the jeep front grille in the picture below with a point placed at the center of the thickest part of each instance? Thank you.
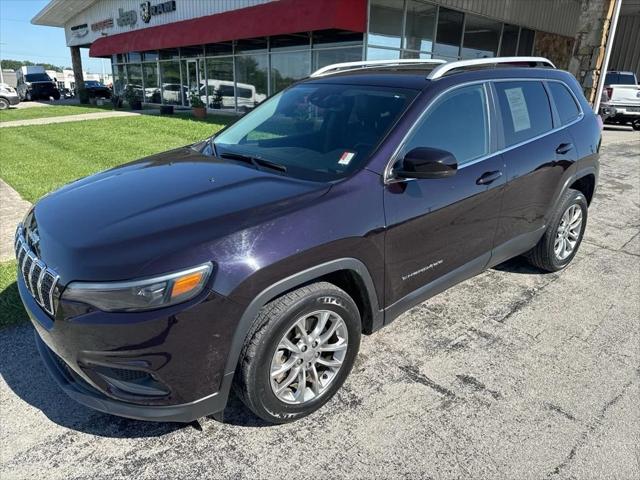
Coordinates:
(40, 280)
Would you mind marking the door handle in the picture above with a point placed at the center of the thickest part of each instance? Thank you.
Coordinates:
(488, 177)
(564, 148)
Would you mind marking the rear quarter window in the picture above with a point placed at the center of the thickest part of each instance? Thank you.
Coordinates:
(565, 103)
(525, 110)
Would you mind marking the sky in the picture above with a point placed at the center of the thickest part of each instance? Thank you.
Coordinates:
(20, 40)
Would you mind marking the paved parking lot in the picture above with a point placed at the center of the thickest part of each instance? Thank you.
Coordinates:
(513, 374)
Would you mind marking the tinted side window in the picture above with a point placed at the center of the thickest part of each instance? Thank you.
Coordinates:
(457, 123)
(565, 103)
(525, 110)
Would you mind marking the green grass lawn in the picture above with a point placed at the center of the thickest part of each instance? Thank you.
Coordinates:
(37, 159)
(46, 111)
(11, 310)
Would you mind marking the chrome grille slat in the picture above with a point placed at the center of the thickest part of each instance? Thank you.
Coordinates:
(40, 280)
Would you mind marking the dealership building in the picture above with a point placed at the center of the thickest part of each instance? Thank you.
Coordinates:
(235, 53)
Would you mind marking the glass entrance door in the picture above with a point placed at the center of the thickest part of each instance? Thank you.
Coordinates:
(193, 80)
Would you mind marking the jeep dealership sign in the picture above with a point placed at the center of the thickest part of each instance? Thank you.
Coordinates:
(110, 17)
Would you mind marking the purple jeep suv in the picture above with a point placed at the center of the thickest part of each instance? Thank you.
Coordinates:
(255, 259)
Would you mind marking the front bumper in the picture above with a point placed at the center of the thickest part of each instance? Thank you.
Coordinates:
(12, 98)
(174, 359)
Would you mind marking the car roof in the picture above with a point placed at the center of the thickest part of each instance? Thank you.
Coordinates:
(415, 77)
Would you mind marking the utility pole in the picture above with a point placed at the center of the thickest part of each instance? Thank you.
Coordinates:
(1, 74)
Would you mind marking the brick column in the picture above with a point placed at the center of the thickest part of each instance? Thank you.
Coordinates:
(589, 47)
(78, 77)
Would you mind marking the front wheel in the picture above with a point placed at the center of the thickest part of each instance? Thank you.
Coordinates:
(636, 124)
(563, 236)
(298, 352)
(4, 104)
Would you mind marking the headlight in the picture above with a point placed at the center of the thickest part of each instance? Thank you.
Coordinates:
(145, 294)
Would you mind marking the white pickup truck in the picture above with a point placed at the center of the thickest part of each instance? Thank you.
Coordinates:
(621, 99)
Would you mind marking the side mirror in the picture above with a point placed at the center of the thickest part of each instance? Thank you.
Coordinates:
(424, 162)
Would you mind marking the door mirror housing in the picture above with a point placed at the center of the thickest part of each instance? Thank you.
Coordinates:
(425, 162)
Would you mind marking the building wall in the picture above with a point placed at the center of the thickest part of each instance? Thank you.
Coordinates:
(556, 48)
(556, 16)
(102, 17)
(625, 54)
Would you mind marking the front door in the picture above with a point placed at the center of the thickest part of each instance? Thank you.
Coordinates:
(193, 80)
(441, 231)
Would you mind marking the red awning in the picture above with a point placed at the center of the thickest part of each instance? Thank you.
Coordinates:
(274, 18)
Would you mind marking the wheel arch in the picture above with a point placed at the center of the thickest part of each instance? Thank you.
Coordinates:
(586, 184)
(348, 274)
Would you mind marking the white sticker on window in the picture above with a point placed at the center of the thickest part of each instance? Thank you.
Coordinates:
(518, 107)
(346, 158)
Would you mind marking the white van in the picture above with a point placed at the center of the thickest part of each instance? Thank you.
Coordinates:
(222, 92)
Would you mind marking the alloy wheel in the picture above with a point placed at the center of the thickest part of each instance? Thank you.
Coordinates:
(568, 232)
(309, 357)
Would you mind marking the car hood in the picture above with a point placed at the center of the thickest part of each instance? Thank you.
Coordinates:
(111, 225)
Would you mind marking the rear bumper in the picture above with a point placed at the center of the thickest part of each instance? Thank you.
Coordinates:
(620, 112)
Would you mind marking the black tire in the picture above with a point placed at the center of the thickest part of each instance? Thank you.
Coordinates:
(4, 103)
(56, 95)
(543, 255)
(252, 381)
(636, 124)
(28, 97)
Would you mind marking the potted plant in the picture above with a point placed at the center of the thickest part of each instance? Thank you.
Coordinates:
(131, 96)
(197, 105)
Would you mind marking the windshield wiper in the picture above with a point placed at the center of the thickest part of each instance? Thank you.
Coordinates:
(256, 161)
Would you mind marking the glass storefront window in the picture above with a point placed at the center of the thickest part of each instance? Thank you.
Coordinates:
(196, 51)
(252, 77)
(449, 33)
(120, 79)
(385, 22)
(134, 79)
(382, 54)
(322, 58)
(252, 45)
(172, 88)
(290, 42)
(337, 38)
(410, 54)
(481, 37)
(151, 56)
(169, 54)
(420, 21)
(288, 67)
(151, 83)
(525, 45)
(134, 57)
(217, 49)
(219, 86)
(509, 40)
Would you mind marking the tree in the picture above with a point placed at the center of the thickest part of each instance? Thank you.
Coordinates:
(16, 64)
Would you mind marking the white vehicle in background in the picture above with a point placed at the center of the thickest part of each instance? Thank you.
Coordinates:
(621, 99)
(8, 96)
(222, 92)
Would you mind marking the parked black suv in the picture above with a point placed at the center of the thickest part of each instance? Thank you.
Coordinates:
(257, 258)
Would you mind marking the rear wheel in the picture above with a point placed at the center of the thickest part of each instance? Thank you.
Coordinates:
(298, 352)
(561, 241)
(4, 104)
(636, 124)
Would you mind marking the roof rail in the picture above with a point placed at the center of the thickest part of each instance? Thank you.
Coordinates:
(442, 70)
(337, 67)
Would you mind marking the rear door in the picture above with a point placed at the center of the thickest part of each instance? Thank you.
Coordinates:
(441, 230)
(537, 153)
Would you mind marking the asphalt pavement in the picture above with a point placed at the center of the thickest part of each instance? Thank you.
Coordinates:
(514, 374)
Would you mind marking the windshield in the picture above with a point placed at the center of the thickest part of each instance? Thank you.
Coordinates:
(92, 83)
(37, 77)
(316, 131)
